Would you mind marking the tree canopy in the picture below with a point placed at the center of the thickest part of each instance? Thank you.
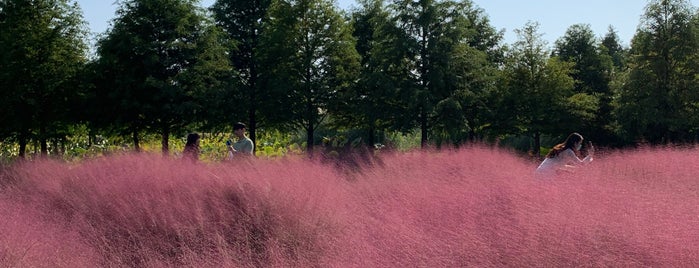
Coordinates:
(44, 49)
(433, 67)
(158, 60)
(659, 102)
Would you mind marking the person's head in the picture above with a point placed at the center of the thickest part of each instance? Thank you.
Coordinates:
(192, 139)
(573, 142)
(239, 129)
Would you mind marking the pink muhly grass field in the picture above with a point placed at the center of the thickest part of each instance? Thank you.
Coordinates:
(475, 206)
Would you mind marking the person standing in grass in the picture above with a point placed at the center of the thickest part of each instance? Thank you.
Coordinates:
(564, 156)
(191, 148)
(243, 146)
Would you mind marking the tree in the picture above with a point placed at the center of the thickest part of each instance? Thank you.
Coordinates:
(592, 69)
(536, 88)
(314, 58)
(43, 53)
(438, 50)
(157, 62)
(243, 22)
(619, 54)
(661, 95)
(612, 47)
(579, 46)
(367, 105)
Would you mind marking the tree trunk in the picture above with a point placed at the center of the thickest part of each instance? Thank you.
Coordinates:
(165, 142)
(43, 141)
(252, 128)
(136, 145)
(309, 139)
(310, 128)
(423, 128)
(371, 141)
(22, 145)
(55, 150)
(537, 145)
(252, 112)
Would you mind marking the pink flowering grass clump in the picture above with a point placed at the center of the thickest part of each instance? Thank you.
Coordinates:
(475, 206)
(147, 211)
(26, 240)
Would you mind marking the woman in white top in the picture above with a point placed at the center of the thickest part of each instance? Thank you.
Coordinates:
(564, 157)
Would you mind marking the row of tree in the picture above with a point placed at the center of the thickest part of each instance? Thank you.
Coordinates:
(169, 66)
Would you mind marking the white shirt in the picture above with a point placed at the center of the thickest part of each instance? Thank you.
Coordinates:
(565, 161)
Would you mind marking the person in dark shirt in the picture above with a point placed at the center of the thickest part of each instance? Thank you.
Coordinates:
(191, 148)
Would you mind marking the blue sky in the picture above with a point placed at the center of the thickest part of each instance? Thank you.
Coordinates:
(554, 16)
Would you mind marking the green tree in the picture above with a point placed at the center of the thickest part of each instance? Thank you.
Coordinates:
(618, 74)
(612, 47)
(157, 62)
(43, 53)
(243, 22)
(579, 46)
(592, 69)
(661, 94)
(367, 105)
(537, 89)
(439, 51)
(314, 58)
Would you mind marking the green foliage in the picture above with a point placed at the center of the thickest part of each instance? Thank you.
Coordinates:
(314, 58)
(537, 88)
(300, 73)
(593, 69)
(367, 104)
(157, 61)
(662, 87)
(611, 46)
(82, 145)
(439, 57)
(583, 106)
(243, 23)
(276, 144)
(43, 49)
(403, 141)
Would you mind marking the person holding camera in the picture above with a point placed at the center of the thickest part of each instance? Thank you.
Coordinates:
(243, 146)
(563, 158)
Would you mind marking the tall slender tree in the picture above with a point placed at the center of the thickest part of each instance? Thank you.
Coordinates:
(314, 58)
(367, 105)
(612, 46)
(243, 22)
(618, 77)
(592, 69)
(43, 53)
(437, 49)
(660, 97)
(536, 87)
(148, 59)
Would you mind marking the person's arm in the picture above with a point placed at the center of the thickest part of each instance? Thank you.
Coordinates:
(230, 145)
(590, 153)
(572, 158)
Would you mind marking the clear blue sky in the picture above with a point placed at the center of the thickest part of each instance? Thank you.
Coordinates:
(554, 16)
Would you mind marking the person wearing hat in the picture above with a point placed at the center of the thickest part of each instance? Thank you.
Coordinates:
(243, 146)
